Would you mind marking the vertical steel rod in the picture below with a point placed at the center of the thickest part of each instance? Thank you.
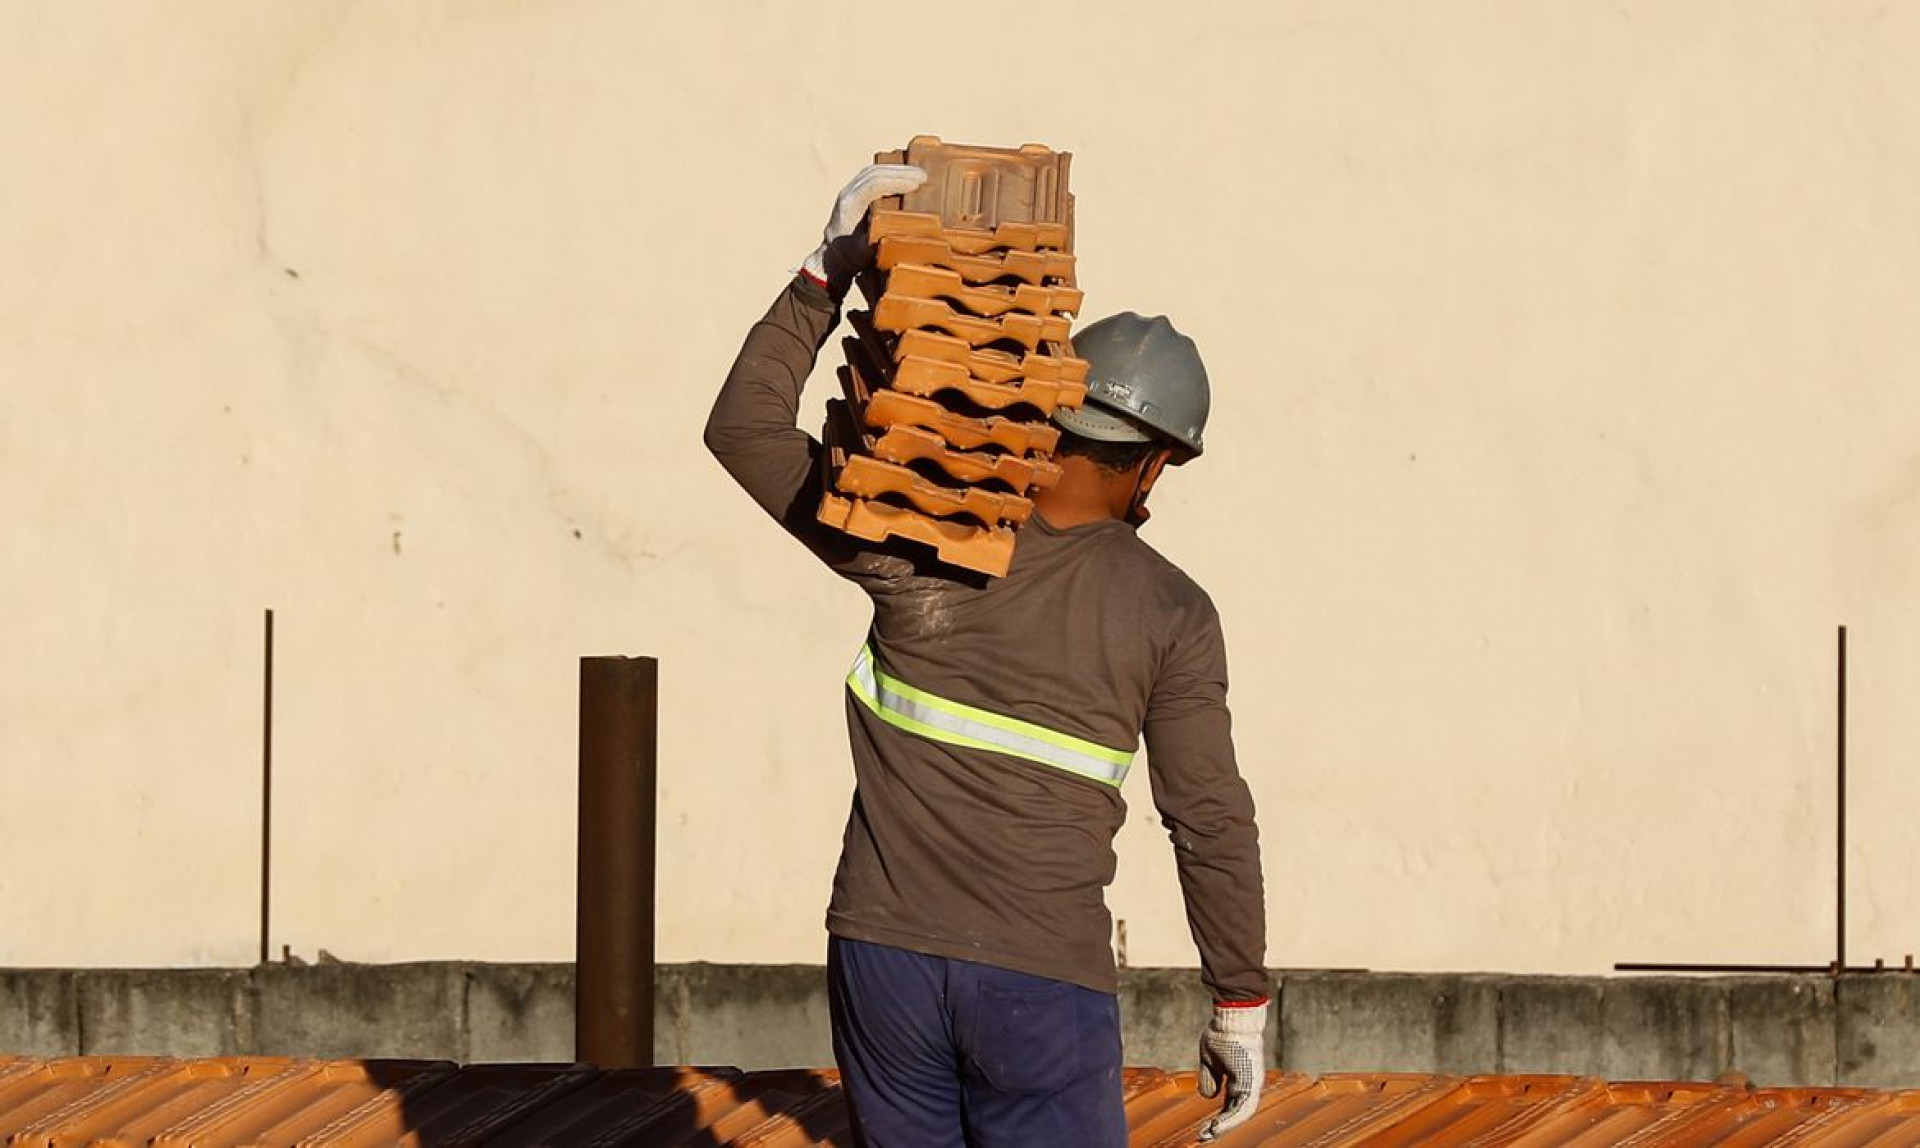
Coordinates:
(1840, 814)
(613, 977)
(266, 791)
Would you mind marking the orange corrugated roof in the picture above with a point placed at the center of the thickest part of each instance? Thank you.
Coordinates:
(123, 1102)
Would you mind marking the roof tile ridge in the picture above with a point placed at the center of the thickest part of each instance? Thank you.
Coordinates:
(42, 1130)
(205, 1119)
(1581, 1092)
(1431, 1089)
(571, 1078)
(621, 1131)
(1842, 1112)
(436, 1074)
(1680, 1118)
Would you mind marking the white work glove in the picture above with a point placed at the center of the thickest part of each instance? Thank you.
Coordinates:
(843, 250)
(1233, 1050)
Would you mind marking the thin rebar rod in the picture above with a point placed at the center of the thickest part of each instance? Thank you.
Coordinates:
(1840, 813)
(1879, 966)
(266, 791)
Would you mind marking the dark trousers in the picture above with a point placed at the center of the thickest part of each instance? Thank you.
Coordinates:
(936, 1053)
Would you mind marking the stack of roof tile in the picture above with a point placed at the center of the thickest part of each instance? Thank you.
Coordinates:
(951, 378)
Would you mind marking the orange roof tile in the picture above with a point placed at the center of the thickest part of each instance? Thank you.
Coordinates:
(279, 1101)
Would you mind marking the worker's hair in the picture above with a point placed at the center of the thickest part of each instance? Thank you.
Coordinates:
(1116, 456)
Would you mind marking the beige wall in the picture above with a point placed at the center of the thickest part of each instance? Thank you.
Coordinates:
(1567, 364)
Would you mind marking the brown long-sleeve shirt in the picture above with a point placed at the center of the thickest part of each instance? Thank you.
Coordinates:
(974, 854)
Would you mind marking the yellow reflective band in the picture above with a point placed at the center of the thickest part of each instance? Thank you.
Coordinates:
(936, 718)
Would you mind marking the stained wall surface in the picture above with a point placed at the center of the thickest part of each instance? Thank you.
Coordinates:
(1564, 360)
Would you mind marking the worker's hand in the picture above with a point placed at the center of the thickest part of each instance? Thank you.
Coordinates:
(844, 251)
(1233, 1051)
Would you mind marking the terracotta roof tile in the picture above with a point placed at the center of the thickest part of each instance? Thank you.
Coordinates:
(1744, 1118)
(1884, 1120)
(993, 366)
(905, 445)
(972, 186)
(636, 1106)
(886, 223)
(277, 1101)
(872, 478)
(160, 1097)
(1479, 1106)
(1037, 267)
(898, 312)
(928, 378)
(988, 549)
(45, 1094)
(984, 300)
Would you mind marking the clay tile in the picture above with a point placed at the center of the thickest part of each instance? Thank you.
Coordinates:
(981, 187)
(1053, 362)
(1036, 267)
(873, 478)
(987, 301)
(893, 408)
(906, 445)
(900, 313)
(988, 550)
(885, 223)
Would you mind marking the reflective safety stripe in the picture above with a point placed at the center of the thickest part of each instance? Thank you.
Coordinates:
(916, 711)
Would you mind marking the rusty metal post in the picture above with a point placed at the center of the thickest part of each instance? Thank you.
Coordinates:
(613, 977)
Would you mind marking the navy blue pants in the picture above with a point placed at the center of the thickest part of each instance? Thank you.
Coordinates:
(936, 1053)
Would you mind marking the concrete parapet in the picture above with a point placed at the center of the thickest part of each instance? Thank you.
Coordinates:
(1663, 1028)
(1550, 1024)
(39, 1012)
(1388, 1022)
(1783, 1029)
(749, 1016)
(1161, 1013)
(416, 1011)
(163, 1012)
(1877, 1034)
(1779, 1030)
(520, 1013)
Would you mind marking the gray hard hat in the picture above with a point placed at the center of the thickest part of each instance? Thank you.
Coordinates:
(1146, 381)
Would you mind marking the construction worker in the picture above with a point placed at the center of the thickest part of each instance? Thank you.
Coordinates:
(971, 975)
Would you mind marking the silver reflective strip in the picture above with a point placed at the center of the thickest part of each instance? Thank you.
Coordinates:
(941, 725)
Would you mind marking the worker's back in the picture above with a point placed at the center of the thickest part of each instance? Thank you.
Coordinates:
(991, 726)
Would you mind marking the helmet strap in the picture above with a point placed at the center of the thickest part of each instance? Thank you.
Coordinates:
(1143, 480)
(1137, 512)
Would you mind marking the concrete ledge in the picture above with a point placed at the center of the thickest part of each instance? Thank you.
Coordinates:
(1388, 1022)
(1783, 1028)
(1664, 1028)
(1161, 1011)
(751, 1016)
(163, 1012)
(1877, 1038)
(520, 1013)
(1550, 1024)
(1779, 1030)
(39, 1012)
(339, 1010)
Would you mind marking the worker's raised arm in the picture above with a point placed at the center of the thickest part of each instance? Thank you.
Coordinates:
(752, 429)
